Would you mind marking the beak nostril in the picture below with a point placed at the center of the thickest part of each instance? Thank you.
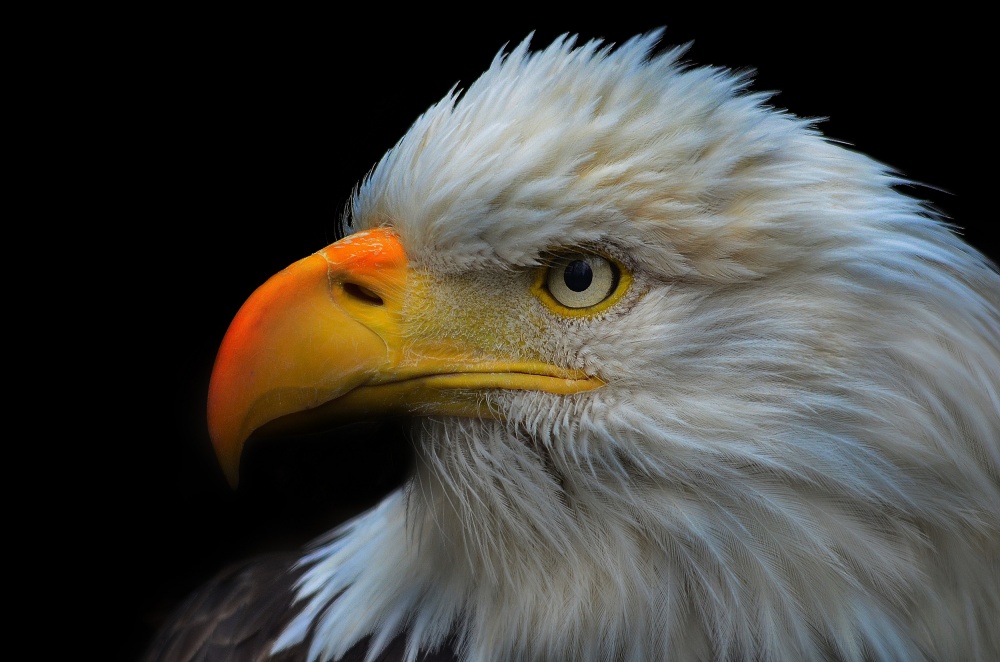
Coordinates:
(362, 294)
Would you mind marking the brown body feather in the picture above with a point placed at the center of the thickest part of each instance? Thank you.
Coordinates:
(238, 615)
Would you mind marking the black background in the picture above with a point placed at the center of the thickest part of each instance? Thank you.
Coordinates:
(235, 140)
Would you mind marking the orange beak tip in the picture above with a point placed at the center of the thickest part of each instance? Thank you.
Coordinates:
(232, 474)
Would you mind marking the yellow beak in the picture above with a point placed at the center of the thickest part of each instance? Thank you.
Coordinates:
(326, 340)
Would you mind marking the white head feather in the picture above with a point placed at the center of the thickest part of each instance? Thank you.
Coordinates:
(796, 454)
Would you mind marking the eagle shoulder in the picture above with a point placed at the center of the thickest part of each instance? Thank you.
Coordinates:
(240, 613)
(237, 615)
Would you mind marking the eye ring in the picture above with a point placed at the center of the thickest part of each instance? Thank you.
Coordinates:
(581, 280)
(579, 283)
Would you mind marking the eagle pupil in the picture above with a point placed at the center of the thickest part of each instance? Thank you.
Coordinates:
(578, 275)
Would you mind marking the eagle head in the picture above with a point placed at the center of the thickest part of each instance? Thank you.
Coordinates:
(685, 379)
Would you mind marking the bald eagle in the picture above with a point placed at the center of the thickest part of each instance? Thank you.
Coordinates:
(685, 381)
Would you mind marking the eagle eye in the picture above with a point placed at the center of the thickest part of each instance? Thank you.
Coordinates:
(581, 280)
